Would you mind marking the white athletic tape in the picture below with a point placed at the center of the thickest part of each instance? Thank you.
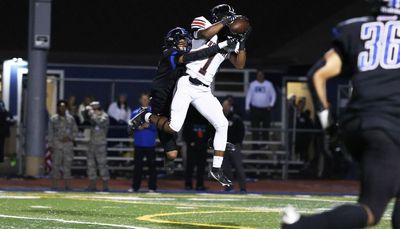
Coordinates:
(72, 221)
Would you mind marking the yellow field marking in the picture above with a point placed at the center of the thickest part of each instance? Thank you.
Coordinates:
(152, 218)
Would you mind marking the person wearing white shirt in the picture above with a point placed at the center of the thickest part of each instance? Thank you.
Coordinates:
(119, 111)
(260, 99)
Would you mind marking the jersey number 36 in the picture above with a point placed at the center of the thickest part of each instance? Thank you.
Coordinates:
(382, 46)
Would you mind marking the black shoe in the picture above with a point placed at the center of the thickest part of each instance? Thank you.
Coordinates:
(228, 188)
(219, 176)
(169, 166)
(138, 120)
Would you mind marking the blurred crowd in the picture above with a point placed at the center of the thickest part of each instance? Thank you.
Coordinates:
(89, 120)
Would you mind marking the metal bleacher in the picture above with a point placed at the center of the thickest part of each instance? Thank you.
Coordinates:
(271, 160)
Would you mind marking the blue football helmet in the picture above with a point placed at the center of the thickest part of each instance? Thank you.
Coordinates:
(173, 37)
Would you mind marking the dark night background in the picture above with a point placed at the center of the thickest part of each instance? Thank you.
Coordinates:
(131, 32)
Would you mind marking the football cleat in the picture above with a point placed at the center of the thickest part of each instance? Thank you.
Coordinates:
(218, 175)
(138, 120)
(290, 217)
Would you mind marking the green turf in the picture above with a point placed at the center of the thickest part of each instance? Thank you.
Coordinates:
(94, 210)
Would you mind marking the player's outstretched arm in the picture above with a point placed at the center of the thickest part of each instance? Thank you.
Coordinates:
(239, 59)
(211, 31)
(328, 67)
(204, 53)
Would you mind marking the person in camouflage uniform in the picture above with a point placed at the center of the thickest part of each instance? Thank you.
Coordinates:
(97, 152)
(62, 132)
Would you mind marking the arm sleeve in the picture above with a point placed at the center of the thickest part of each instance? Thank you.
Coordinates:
(340, 41)
(198, 23)
(273, 95)
(248, 97)
(200, 54)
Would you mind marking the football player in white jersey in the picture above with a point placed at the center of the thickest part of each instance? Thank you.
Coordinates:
(194, 87)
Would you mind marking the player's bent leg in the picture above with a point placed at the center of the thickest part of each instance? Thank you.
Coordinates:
(211, 109)
(162, 123)
(342, 217)
(168, 141)
(379, 173)
(180, 103)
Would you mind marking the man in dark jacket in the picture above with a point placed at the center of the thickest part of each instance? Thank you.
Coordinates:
(196, 132)
(236, 133)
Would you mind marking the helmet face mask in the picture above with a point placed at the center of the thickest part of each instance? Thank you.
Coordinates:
(174, 38)
(220, 11)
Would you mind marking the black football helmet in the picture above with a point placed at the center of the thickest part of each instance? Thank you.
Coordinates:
(385, 7)
(175, 35)
(220, 11)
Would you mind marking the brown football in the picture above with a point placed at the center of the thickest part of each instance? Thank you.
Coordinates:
(239, 25)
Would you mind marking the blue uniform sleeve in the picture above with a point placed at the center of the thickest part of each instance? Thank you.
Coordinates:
(135, 112)
(173, 59)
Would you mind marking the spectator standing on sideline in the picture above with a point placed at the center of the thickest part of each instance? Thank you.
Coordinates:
(260, 99)
(119, 111)
(236, 134)
(62, 132)
(81, 110)
(145, 143)
(196, 133)
(97, 153)
(5, 122)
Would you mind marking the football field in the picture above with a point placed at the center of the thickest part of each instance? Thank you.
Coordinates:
(126, 210)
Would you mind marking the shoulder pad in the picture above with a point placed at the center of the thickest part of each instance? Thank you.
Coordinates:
(355, 20)
(200, 23)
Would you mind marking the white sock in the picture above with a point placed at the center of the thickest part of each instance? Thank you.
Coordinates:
(217, 161)
(147, 117)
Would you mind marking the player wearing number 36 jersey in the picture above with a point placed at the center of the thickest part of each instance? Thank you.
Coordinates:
(368, 50)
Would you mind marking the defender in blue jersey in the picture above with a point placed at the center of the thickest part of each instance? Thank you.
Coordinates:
(367, 49)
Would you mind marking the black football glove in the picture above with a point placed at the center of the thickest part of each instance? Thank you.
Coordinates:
(232, 42)
(227, 20)
(243, 38)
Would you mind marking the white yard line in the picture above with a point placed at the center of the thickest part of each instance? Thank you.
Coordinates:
(211, 200)
(71, 221)
(40, 207)
(19, 197)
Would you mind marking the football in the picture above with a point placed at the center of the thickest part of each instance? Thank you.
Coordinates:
(239, 25)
